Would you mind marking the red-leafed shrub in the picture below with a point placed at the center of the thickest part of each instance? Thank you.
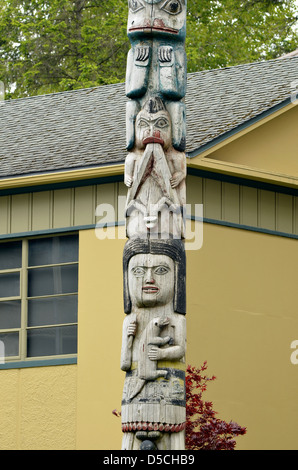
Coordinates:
(203, 430)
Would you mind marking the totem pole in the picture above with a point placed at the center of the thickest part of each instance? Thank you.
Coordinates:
(154, 329)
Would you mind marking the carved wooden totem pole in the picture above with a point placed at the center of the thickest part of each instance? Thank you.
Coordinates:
(154, 329)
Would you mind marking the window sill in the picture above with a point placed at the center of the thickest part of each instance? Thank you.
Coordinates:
(39, 363)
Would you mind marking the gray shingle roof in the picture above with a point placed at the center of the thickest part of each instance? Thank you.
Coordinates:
(86, 128)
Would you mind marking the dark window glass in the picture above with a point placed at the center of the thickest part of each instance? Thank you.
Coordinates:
(51, 300)
(10, 255)
(53, 281)
(10, 314)
(11, 343)
(52, 341)
(54, 250)
(52, 310)
(10, 284)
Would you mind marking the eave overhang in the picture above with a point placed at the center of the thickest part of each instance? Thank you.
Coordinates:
(201, 159)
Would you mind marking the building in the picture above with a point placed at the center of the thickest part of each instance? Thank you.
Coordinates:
(62, 236)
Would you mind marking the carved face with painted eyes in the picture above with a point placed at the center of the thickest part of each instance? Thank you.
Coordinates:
(160, 17)
(151, 280)
(153, 128)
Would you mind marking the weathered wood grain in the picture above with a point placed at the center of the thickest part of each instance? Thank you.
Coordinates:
(154, 329)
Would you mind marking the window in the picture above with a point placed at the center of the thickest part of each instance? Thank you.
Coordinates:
(39, 297)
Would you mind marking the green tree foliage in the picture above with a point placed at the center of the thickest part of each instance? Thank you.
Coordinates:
(231, 32)
(55, 45)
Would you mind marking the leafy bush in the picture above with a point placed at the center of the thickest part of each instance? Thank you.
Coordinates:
(204, 431)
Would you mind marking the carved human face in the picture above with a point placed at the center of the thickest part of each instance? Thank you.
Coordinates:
(153, 128)
(151, 280)
(160, 17)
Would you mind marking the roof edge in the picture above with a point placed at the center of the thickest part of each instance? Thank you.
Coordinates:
(122, 83)
(42, 180)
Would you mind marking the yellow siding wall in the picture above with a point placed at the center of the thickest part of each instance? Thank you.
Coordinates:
(100, 379)
(38, 408)
(241, 318)
(76, 207)
(244, 205)
(59, 208)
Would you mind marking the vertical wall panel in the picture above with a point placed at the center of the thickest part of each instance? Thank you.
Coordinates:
(230, 203)
(212, 199)
(194, 193)
(222, 201)
(84, 206)
(248, 206)
(20, 213)
(4, 215)
(122, 194)
(107, 194)
(41, 210)
(62, 208)
(284, 213)
(266, 209)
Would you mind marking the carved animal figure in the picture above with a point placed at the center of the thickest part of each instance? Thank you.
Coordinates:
(147, 368)
(153, 126)
(156, 63)
(155, 173)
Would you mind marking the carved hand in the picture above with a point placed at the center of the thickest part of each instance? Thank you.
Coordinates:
(176, 179)
(131, 329)
(154, 353)
(128, 180)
